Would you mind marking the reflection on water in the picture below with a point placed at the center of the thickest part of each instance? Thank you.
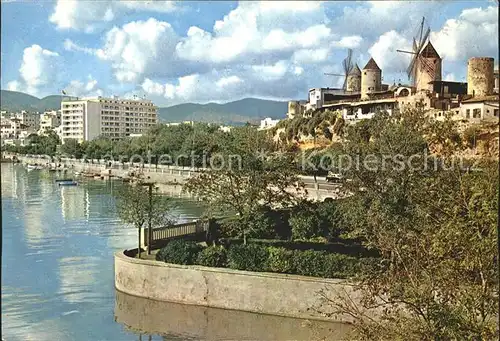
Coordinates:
(189, 322)
(58, 279)
(57, 257)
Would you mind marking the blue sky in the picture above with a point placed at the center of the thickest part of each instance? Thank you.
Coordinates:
(175, 52)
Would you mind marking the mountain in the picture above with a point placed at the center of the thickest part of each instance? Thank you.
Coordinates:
(13, 100)
(237, 112)
(16, 101)
(234, 113)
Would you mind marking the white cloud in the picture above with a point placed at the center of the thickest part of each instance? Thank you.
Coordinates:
(311, 55)
(384, 52)
(160, 6)
(153, 88)
(228, 81)
(69, 45)
(83, 89)
(14, 86)
(81, 15)
(351, 42)
(139, 48)
(87, 15)
(473, 33)
(258, 29)
(39, 69)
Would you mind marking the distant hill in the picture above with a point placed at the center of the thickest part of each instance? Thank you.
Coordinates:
(16, 101)
(237, 112)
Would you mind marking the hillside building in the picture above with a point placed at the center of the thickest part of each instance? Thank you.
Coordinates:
(88, 118)
(365, 94)
(268, 123)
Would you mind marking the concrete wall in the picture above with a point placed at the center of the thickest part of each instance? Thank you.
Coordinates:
(92, 120)
(204, 323)
(266, 293)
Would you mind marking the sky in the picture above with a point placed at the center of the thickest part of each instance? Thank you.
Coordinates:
(190, 51)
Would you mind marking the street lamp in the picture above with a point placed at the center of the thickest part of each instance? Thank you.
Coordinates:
(150, 232)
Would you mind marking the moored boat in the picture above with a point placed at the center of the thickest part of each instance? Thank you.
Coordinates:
(64, 180)
(68, 183)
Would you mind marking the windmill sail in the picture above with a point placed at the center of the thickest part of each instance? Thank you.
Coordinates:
(419, 43)
(348, 66)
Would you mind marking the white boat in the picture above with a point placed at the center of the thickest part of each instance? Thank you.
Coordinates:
(33, 167)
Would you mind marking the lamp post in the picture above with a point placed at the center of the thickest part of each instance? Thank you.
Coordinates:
(150, 232)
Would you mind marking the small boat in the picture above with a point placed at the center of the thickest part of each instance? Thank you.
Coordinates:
(68, 183)
(77, 173)
(33, 167)
(64, 180)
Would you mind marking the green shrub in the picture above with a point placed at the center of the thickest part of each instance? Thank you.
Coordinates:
(179, 252)
(340, 266)
(214, 256)
(309, 263)
(305, 224)
(280, 260)
(249, 257)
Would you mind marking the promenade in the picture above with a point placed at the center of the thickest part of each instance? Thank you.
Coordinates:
(317, 189)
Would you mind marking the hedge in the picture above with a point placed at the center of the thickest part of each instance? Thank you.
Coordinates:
(346, 247)
(179, 252)
(262, 258)
(214, 256)
(251, 257)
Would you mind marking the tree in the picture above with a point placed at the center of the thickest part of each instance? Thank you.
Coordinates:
(72, 148)
(136, 206)
(436, 230)
(259, 179)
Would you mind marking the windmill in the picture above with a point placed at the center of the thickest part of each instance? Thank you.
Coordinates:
(418, 60)
(347, 65)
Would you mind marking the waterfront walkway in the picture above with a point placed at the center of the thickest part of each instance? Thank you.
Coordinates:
(317, 188)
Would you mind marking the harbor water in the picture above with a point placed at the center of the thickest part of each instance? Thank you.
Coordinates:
(58, 280)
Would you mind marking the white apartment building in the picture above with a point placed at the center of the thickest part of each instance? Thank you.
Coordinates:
(88, 118)
(49, 120)
(11, 128)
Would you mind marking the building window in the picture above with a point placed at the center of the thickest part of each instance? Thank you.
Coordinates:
(467, 113)
(476, 113)
(495, 112)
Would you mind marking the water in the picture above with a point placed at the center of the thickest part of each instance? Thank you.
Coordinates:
(58, 280)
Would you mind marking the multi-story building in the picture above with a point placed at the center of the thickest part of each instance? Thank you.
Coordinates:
(11, 128)
(88, 118)
(30, 120)
(49, 120)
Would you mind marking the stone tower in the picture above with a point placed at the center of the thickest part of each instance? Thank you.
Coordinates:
(371, 79)
(354, 80)
(428, 68)
(480, 76)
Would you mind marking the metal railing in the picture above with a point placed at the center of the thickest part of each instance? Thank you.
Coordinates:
(163, 234)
